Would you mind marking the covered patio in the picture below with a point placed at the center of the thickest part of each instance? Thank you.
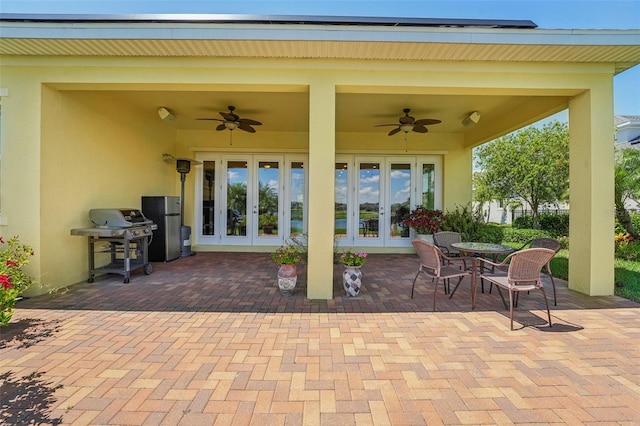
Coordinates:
(209, 340)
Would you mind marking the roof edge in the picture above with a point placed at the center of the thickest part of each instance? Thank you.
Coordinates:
(271, 19)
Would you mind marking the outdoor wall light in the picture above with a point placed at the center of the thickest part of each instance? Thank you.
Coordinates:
(471, 119)
(166, 115)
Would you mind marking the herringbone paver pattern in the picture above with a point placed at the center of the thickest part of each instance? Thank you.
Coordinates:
(208, 340)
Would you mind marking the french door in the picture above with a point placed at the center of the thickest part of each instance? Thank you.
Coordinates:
(373, 195)
(250, 199)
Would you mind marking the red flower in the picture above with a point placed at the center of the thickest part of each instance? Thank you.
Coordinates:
(4, 281)
(12, 263)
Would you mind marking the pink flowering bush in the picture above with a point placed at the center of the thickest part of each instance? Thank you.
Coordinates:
(425, 221)
(350, 258)
(13, 280)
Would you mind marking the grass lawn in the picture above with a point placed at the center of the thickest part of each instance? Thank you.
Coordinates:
(627, 275)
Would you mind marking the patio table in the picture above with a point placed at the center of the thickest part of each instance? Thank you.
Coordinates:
(482, 250)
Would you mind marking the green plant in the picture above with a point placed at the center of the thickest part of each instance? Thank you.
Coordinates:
(350, 258)
(489, 233)
(268, 220)
(555, 224)
(286, 255)
(464, 221)
(522, 236)
(627, 249)
(425, 221)
(13, 280)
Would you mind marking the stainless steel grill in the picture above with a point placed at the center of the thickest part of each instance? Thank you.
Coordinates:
(120, 235)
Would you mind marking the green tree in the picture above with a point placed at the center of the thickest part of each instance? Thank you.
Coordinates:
(267, 199)
(627, 186)
(531, 164)
(237, 197)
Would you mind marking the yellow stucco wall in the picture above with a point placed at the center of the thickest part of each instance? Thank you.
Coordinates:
(56, 136)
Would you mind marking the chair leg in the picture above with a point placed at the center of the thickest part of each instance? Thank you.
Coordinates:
(435, 291)
(414, 282)
(455, 288)
(511, 307)
(546, 303)
(553, 283)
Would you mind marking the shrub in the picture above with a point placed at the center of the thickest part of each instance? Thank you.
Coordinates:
(522, 236)
(555, 224)
(464, 221)
(628, 250)
(13, 279)
(523, 222)
(489, 233)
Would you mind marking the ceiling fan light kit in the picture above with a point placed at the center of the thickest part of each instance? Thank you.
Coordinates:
(232, 121)
(408, 124)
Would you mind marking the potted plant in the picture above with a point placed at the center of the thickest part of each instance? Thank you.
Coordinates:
(425, 222)
(268, 222)
(287, 257)
(352, 275)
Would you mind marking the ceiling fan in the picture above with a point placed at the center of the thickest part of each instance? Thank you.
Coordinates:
(409, 124)
(231, 121)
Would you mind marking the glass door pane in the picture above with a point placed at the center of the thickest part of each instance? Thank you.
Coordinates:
(341, 199)
(236, 217)
(369, 199)
(296, 207)
(208, 197)
(400, 189)
(268, 198)
(428, 186)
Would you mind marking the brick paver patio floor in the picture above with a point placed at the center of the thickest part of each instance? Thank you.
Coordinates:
(208, 340)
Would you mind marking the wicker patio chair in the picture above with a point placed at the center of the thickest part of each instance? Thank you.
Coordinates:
(523, 274)
(551, 244)
(444, 240)
(432, 265)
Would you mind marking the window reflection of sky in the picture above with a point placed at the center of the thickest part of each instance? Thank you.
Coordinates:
(400, 186)
(341, 186)
(369, 186)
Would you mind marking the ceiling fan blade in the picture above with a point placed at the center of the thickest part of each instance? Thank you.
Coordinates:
(383, 125)
(250, 122)
(246, 127)
(221, 127)
(394, 131)
(228, 116)
(426, 121)
(420, 129)
(212, 119)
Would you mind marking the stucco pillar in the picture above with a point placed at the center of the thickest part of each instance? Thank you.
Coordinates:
(322, 140)
(591, 191)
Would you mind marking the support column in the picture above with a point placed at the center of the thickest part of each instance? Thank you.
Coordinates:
(322, 148)
(592, 214)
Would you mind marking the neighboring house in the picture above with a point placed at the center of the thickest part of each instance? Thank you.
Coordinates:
(628, 136)
(91, 104)
(627, 129)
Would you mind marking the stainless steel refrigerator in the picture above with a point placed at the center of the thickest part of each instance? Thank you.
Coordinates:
(164, 211)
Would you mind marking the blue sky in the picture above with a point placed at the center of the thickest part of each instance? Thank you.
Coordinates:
(547, 14)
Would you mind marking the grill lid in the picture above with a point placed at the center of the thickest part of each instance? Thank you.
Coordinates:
(117, 218)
